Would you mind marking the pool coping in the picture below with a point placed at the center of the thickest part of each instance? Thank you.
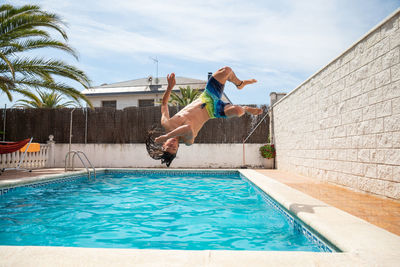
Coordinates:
(362, 243)
(371, 244)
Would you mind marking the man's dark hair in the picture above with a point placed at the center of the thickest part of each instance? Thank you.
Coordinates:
(155, 150)
(167, 158)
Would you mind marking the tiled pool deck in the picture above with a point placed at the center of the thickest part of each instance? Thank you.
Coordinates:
(318, 204)
(379, 211)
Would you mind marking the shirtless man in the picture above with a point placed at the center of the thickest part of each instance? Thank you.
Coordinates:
(184, 126)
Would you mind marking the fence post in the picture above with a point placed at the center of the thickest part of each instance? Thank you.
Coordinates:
(51, 157)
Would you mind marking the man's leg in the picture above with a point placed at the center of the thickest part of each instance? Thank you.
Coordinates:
(226, 74)
(232, 111)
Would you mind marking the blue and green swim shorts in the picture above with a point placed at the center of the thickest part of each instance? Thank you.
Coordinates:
(211, 99)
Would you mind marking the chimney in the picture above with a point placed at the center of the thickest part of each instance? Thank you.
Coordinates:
(209, 75)
(275, 97)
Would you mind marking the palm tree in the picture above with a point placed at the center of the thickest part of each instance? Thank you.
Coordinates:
(188, 95)
(23, 29)
(47, 100)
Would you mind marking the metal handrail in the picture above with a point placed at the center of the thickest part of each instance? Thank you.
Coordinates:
(91, 165)
(252, 131)
(76, 153)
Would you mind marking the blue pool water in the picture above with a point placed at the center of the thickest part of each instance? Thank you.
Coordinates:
(149, 211)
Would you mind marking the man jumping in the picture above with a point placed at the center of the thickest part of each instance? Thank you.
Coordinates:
(184, 126)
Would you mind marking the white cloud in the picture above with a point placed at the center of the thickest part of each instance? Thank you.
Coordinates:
(302, 37)
(279, 42)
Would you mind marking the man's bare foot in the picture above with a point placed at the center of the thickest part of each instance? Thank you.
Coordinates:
(253, 111)
(245, 82)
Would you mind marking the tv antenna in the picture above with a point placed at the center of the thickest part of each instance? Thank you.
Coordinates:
(155, 60)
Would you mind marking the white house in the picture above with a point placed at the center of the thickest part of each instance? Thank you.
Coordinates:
(139, 93)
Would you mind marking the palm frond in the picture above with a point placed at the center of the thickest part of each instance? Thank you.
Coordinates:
(23, 103)
(187, 96)
(25, 29)
(6, 85)
(27, 45)
(26, 83)
(27, 17)
(25, 92)
(45, 100)
(20, 35)
(40, 66)
(9, 65)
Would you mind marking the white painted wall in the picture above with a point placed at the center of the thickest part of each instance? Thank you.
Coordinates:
(135, 156)
(124, 101)
(342, 125)
(130, 100)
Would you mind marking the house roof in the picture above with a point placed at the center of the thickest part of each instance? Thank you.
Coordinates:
(144, 86)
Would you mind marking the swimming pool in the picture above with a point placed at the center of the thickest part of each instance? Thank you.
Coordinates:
(196, 210)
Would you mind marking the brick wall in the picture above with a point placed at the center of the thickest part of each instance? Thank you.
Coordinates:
(342, 125)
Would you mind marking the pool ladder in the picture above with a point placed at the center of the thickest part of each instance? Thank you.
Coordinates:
(77, 153)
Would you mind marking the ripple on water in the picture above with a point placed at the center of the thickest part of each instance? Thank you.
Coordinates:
(125, 210)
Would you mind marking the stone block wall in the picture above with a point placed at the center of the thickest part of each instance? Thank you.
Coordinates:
(342, 125)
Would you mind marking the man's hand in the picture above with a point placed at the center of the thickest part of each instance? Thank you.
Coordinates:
(164, 105)
(171, 81)
(184, 130)
(161, 139)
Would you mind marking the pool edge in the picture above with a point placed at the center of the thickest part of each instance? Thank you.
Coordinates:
(349, 233)
(72, 256)
(361, 242)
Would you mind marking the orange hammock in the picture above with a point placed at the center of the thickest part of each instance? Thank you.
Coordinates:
(9, 147)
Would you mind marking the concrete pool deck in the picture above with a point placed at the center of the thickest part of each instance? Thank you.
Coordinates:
(362, 243)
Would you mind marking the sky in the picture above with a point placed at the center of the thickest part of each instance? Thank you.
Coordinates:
(279, 43)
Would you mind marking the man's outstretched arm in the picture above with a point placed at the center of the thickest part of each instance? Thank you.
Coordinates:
(184, 131)
(164, 104)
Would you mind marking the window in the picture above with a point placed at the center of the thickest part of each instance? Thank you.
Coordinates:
(109, 104)
(146, 102)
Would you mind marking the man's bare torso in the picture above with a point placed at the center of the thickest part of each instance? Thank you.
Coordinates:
(186, 124)
(193, 115)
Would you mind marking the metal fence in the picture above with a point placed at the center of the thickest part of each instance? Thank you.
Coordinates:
(108, 125)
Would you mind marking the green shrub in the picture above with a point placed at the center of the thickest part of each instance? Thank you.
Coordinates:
(267, 151)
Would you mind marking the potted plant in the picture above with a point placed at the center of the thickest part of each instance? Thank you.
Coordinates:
(268, 154)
